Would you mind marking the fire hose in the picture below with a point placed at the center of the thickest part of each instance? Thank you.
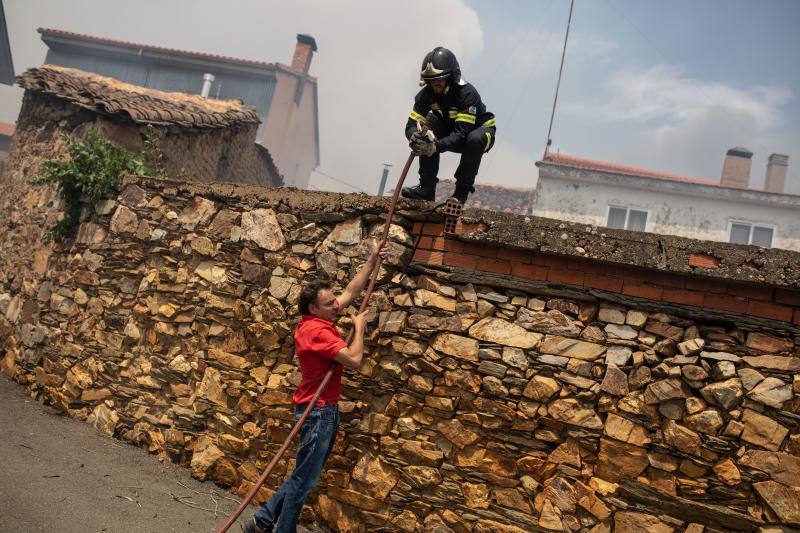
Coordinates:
(373, 278)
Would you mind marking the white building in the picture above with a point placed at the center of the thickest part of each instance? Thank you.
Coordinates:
(606, 194)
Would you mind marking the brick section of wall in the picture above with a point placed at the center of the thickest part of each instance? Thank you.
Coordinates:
(704, 261)
(762, 301)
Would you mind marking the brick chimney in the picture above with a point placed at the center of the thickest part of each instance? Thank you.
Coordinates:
(736, 170)
(303, 53)
(776, 172)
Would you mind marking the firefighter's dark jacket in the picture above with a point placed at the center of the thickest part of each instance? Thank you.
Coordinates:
(459, 110)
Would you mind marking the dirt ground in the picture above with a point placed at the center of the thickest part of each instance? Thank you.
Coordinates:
(61, 475)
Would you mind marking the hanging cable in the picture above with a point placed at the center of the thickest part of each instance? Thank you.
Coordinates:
(339, 180)
(514, 109)
(558, 83)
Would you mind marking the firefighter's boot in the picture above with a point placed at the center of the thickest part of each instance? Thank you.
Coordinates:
(426, 190)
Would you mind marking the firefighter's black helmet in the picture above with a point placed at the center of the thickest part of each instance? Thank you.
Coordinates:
(440, 63)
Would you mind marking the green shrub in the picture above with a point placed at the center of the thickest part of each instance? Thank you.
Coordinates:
(92, 171)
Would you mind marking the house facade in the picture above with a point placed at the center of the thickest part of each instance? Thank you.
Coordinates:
(198, 139)
(285, 96)
(594, 192)
(6, 134)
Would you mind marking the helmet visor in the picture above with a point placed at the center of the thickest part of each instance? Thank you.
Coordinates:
(430, 72)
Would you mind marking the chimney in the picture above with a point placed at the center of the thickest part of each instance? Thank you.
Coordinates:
(736, 170)
(303, 52)
(208, 79)
(776, 172)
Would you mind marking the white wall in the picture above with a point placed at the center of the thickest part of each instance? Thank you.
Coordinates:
(670, 213)
(290, 131)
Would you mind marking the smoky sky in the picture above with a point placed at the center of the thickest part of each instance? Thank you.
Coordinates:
(614, 105)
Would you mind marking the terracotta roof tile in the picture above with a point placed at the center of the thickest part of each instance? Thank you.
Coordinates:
(602, 166)
(146, 106)
(573, 161)
(491, 197)
(7, 129)
(174, 51)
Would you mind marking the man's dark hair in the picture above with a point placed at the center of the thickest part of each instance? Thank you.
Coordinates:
(309, 294)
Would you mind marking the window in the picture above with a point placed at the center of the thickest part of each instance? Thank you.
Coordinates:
(747, 233)
(625, 218)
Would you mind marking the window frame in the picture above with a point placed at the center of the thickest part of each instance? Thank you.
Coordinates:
(741, 221)
(627, 216)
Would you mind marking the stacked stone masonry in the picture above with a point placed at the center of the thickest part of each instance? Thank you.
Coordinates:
(480, 408)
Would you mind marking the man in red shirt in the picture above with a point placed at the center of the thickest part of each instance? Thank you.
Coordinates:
(317, 345)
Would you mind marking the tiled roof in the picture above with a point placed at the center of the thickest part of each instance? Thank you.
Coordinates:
(7, 129)
(173, 51)
(491, 197)
(613, 168)
(144, 106)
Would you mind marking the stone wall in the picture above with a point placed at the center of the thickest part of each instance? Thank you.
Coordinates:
(480, 407)
(219, 155)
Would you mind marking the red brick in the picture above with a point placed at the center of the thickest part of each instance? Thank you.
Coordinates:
(666, 279)
(436, 258)
(765, 310)
(624, 272)
(591, 267)
(572, 277)
(753, 292)
(733, 304)
(488, 264)
(703, 261)
(421, 255)
(428, 256)
(477, 249)
(425, 243)
(452, 245)
(517, 256)
(650, 292)
(462, 227)
(797, 317)
(550, 260)
(706, 285)
(430, 229)
(460, 260)
(605, 283)
(439, 243)
(529, 271)
(694, 298)
(782, 296)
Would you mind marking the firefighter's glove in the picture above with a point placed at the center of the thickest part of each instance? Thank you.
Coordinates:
(424, 147)
(415, 138)
(422, 141)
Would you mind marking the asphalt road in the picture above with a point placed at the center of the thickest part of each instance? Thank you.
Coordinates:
(60, 475)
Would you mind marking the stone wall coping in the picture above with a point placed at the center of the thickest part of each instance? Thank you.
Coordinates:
(664, 253)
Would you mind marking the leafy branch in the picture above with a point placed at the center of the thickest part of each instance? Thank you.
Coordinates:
(91, 172)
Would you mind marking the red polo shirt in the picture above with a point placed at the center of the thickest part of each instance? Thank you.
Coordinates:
(316, 343)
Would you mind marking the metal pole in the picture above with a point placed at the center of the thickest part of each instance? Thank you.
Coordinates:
(384, 177)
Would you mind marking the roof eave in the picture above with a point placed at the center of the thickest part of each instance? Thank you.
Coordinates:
(56, 41)
(689, 188)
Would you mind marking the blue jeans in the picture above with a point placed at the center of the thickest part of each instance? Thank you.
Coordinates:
(317, 436)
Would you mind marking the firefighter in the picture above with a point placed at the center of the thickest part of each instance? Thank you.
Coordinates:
(456, 120)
